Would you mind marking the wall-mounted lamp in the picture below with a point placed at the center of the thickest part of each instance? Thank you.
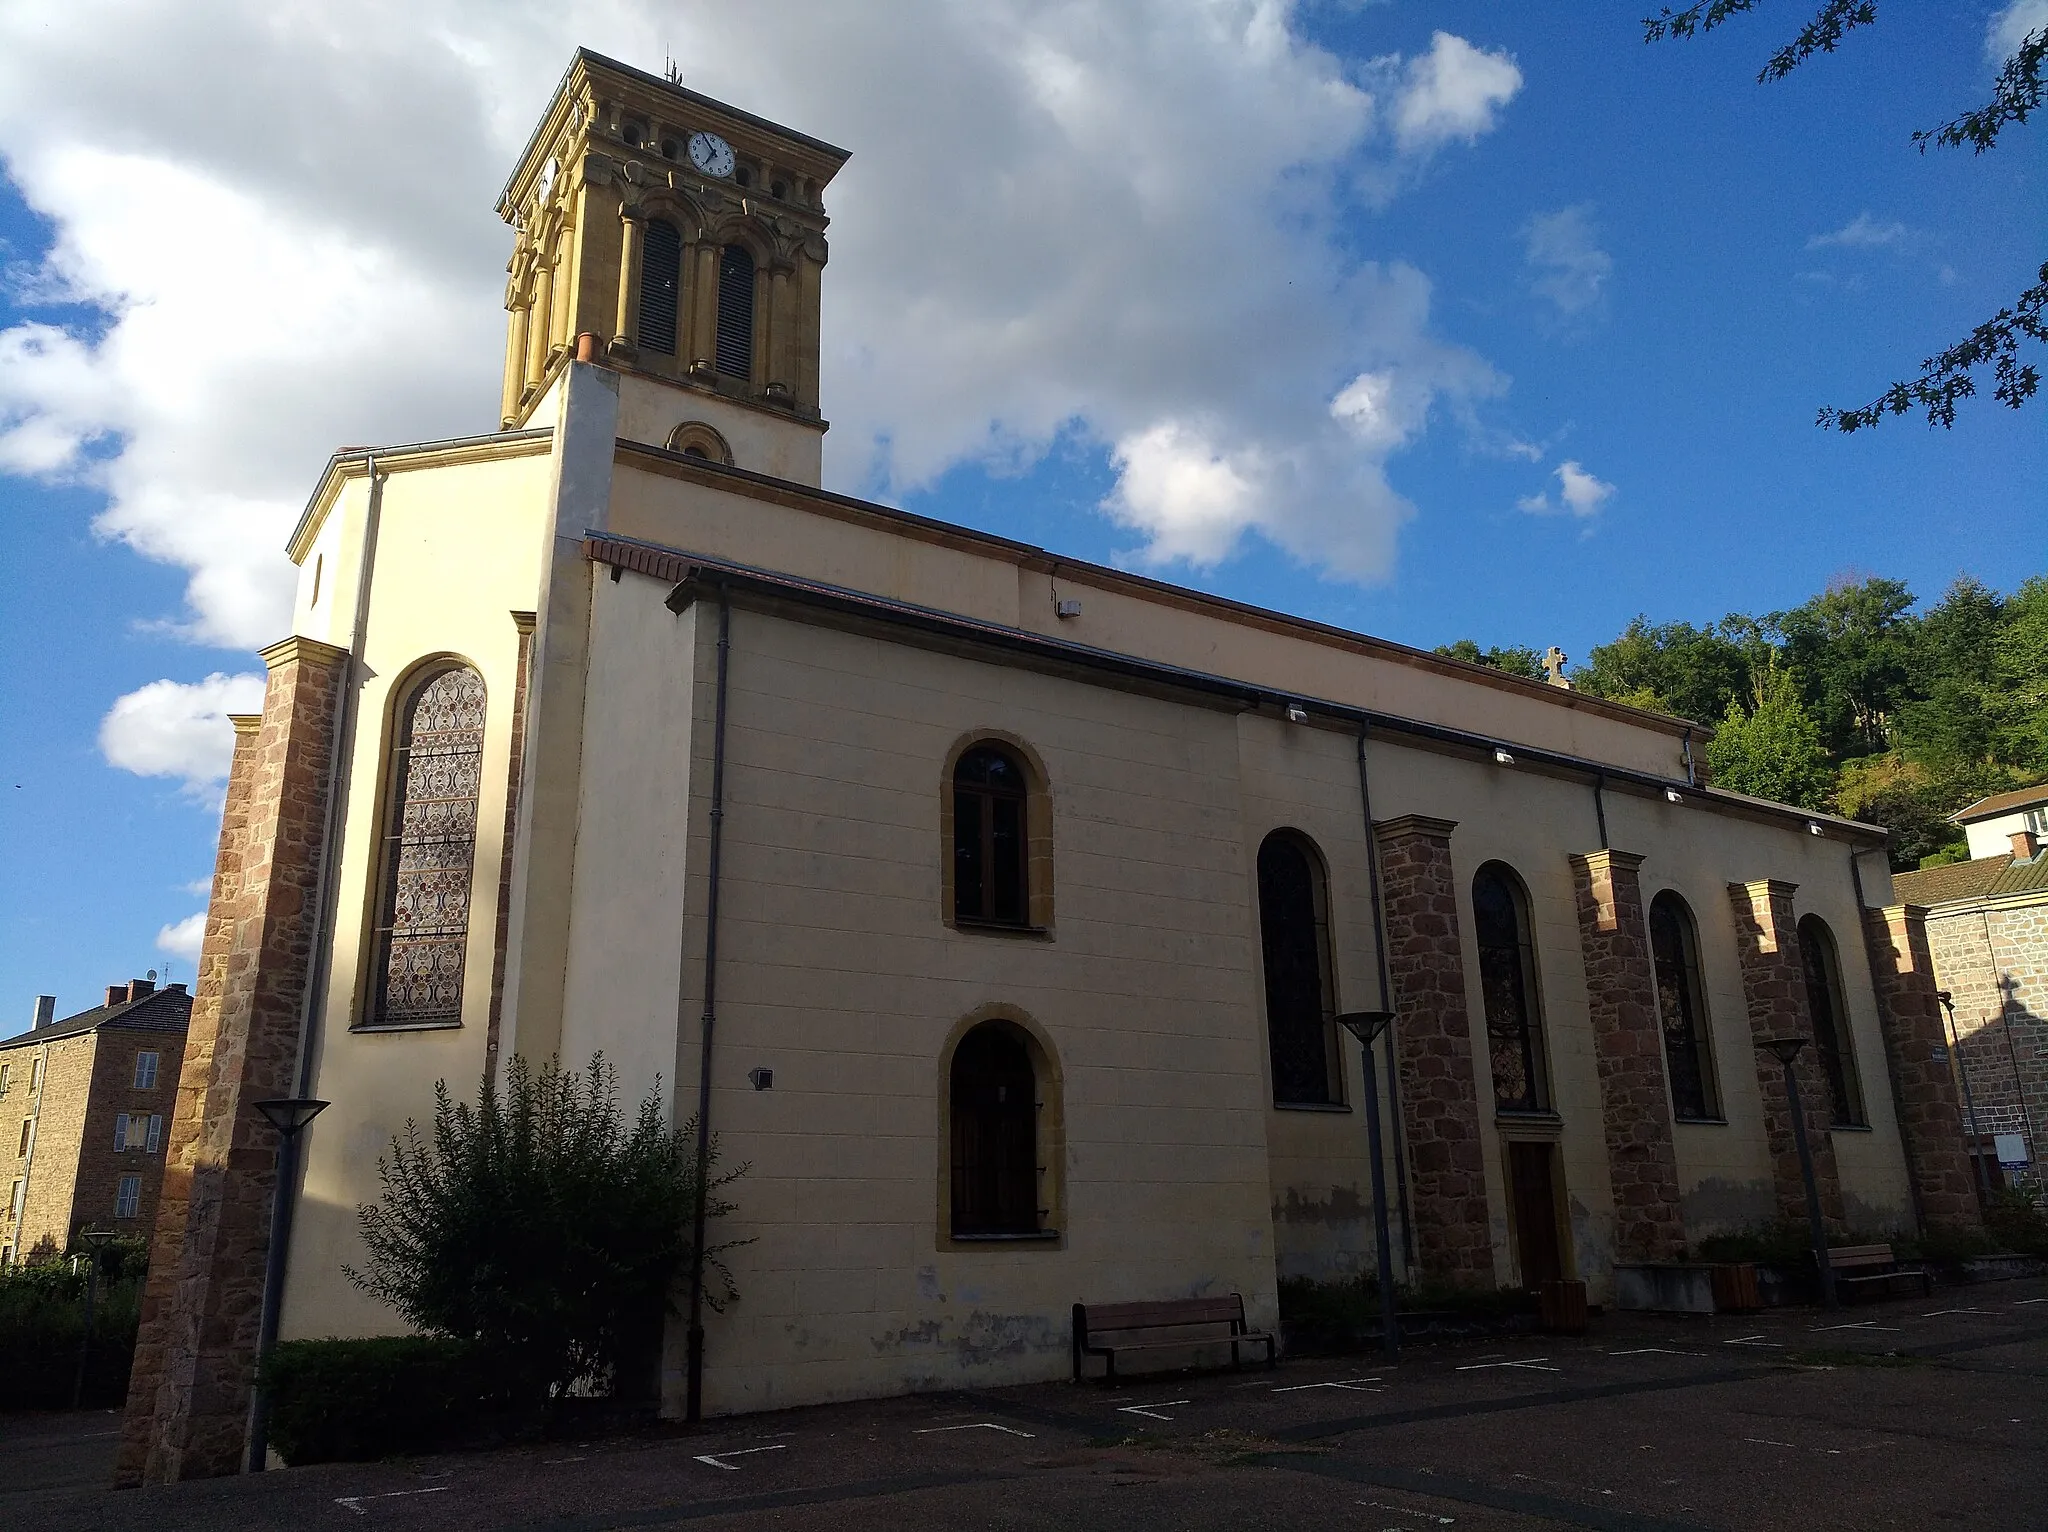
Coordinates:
(1296, 713)
(762, 1079)
(1067, 608)
(1673, 795)
(1813, 827)
(1501, 757)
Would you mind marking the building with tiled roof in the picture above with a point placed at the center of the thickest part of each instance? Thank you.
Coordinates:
(1991, 823)
(85, 1106)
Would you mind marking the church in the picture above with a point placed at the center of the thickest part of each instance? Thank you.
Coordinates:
(997, 908)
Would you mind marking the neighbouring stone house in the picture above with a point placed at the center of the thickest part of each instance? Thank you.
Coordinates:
(85, 1103)
(1001, 905)
(1987, 930)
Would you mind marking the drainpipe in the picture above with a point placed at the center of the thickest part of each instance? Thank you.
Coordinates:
(1379, 941)
(1600, 805)
(693, 1407)
(284, 1199)
(1692, 776)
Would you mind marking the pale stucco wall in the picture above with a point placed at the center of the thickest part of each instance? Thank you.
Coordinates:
(761, 440)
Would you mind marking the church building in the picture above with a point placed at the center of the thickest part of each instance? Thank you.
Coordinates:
(998, 907)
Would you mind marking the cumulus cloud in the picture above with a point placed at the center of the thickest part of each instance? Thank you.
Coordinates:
(1579, 494)
(183, 938)
(1865, 233)
(1114, 222)
(2010, 27)
(180, 730)
(1564, 257)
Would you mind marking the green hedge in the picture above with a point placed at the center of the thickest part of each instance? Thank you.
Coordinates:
(391, 1396)
(42, 1323)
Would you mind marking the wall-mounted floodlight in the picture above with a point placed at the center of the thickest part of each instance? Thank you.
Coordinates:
(1501, 757)
(1813, 827)
(1067, 608)
(1673, 795)
(762, 1079)
(1296, 713)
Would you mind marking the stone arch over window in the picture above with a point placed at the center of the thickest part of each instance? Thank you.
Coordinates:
(1682, 1009)
(420, 936)
(1826, 1002)
(1507, 984)
(995, 831)
(735, 350)
(1294, 942)
(661, 286)
(1002, 1133)
(694, 438)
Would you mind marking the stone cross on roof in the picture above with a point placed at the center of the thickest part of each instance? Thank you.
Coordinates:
(1554, 661)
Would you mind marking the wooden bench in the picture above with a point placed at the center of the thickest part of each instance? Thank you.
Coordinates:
(1872, 1271)
(1108, 1330)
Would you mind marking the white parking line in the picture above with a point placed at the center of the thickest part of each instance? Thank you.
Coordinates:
(1655, 1350)
(715, 1459)
(1409, 1510)
(1937, 1313)
(1765, 1441)
(979, 1425)
(1867, 1324)
(1752, 1340)
(2025, 1301)
(1354, 1384)
(355, 1502)
(1139, 1409)
(1535, 1363)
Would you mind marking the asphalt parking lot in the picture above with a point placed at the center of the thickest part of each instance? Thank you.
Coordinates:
(1919, 1414)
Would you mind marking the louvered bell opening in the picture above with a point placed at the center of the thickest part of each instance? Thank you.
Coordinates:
(735, 312)
(661, 269)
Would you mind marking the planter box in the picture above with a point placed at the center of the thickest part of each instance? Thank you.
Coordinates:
(1562, 1306)
(1664, 1288)
(1735, 1288)
(2003, 1268)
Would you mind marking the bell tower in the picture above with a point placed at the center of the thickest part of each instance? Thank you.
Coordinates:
(688, 237)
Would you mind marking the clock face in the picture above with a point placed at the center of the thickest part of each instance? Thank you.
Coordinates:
(711, 154)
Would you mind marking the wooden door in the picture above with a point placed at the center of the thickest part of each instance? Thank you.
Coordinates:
(1532, 1169)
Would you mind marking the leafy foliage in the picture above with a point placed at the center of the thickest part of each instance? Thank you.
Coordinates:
(42, 1326)
(1773, 750)
(541, 1224)
(1945, 379)
(1516, 661)
(335, 1401)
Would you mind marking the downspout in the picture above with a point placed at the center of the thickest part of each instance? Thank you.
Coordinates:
(1692, 776)
(1379, 942)
(1870, 960)
(693, 1406)
(284, 1200)
(1600, 805)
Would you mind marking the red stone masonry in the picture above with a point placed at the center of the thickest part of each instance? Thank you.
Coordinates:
(1774, 990)
(1916, 1050)
(189, 1395)
(1628, 1044)
(1433, 1044)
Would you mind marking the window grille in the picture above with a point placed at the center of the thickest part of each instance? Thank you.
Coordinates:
(1294, 934)
(145, 1071)
(1830, 1021)
(128, 1197)
(661, 281)
(736, 312)
(1681, 1006)
(1507, 984)
(429, 846)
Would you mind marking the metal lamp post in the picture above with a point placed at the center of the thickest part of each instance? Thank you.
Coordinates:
(1366, 1026)
(96, 1241)
(1785, 1050)
(1955, 1051)
(289, 1115)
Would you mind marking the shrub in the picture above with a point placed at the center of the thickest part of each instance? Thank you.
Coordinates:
(541, 1225)
(42, 1325)
(2014, 1219)
(351, 1400)
(1784, 1243)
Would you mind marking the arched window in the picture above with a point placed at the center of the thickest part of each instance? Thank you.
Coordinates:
(736, 312)
(1294, 937)
(1830, 1021)
(422, 930)
(1507, 982)
(661, 282)
(994, 1107)
(1682, 1006)
(991, 854)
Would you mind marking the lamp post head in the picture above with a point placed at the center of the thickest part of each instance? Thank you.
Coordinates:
(290, 1114)
(1365, 1025)
(99, 1239)
(1946, 997)
(1784, 1049)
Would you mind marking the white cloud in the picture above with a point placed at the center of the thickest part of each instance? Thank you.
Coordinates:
(1114, 221)
(1579, 494)
(198, 888)
(1570, 268)
(2010, 27)
(1865, 233)
(183, 939)
(179, 729)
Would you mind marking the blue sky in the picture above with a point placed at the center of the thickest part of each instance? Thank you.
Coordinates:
(1633, 260)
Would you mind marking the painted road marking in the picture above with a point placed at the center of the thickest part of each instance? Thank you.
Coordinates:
(714, 1459)
(1867, 1324)
(1353, 1384)
(1656, 1351)
(2025, 1301)
(1409, 1510)
(1139, 1409)
(355, 1502)
(1535, 1363)
(979, 1425)
(1765, 1441)
(1751, 1340)
(1937, 1313)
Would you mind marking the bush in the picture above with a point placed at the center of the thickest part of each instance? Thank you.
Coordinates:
(1344, 1316)
(354, 1400)
(1773, 1244)
(42, 1325)
(2014, 1219)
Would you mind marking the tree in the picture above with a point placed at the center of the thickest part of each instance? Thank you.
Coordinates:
(1516, 661)
(1773, 750)
(1849, 648)
(2016, 703)
(541, 1224)
(1672, 668)
(1946, 378)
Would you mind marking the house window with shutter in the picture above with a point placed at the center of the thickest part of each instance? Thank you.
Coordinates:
(156, 1133)
(736, 312)
(661, 283)
(422, 932)
(145, 1071)
(128, 1197)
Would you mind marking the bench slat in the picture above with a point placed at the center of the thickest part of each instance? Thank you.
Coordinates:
(1174, 1311)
